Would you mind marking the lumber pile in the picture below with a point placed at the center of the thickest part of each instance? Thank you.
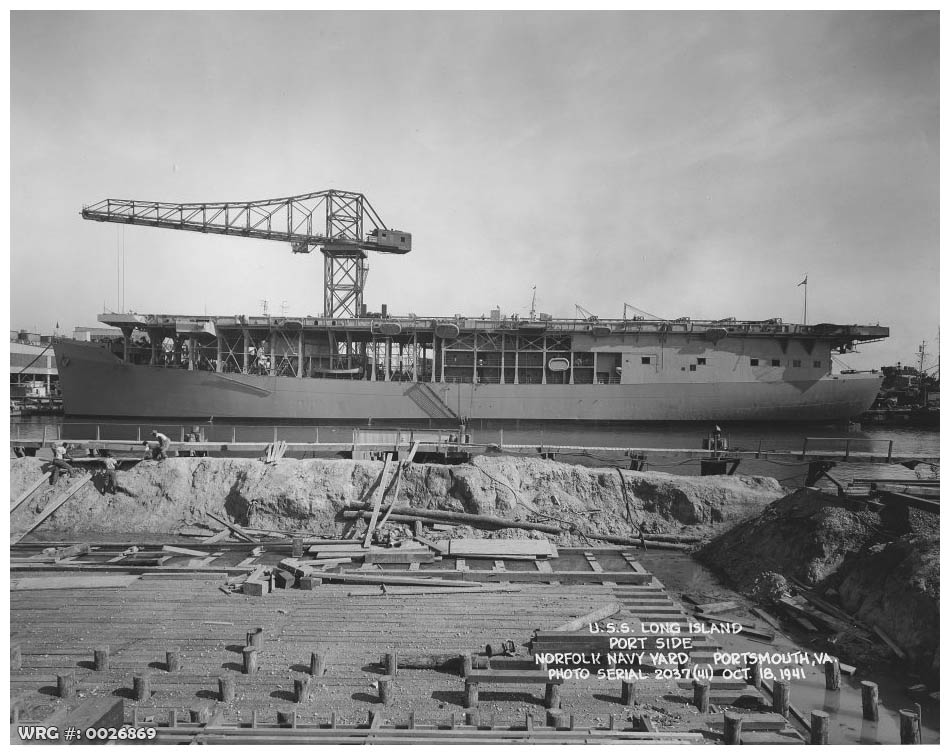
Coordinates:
(274, 452)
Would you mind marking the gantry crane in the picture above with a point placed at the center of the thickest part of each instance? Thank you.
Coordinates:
(330, 220)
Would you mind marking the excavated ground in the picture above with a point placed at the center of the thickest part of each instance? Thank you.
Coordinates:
(884, 567)
(307, 495)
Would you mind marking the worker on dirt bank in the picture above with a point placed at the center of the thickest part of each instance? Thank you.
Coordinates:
(111, 473)
(164, 443)
(60, 463)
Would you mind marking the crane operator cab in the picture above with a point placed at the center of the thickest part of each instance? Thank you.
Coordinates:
(398, 241)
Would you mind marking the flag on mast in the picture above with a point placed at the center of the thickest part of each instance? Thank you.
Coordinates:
(804, 282)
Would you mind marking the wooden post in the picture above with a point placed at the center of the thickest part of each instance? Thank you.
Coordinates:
(226, 688)
(612, 724)
(552, 696)
(869, 701)
(471, 694)
(297, 547)
(101, 658)
(701, 695)
(255, 719)
(556, 718)
(471, 717)
(66, 684)
(832, 675)
(173, 719)
(780, 697)
(628, 693)
(412, 720)
(417, 528)
(255, 638)
(385, 685)
(302, 689)
(287, 718)
(172, 660)
(910, 727)
(466, 664)
(529, 721)
(391, 663)
(755, 673)
(819, 727)
(200, 714)
(142, 686)
(732, 728)
(16, 657)
(318, 664)
(250, 660)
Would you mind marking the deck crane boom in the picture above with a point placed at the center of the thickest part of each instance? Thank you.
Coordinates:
(330, 220)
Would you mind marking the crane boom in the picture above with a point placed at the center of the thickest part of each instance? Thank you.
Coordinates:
(331, 220)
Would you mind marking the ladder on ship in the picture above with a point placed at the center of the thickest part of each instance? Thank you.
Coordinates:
(430, 402)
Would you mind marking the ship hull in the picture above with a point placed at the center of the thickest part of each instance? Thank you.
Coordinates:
(95, 383)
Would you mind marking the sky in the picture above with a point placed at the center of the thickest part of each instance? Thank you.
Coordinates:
(689, 164)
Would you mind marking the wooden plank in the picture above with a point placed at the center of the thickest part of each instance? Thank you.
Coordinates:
(378, 495)
(48, 511)
(392, 578)
(84, 582)
(522, 548)
(471, 520)
(767, 618)
(516, 676)
(889, 642)
(598, 614)
(234, 528)
(725, 605)
(400, 556)
(29, 491)
(217, 537)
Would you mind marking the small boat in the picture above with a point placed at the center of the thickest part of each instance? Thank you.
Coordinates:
(387, 328)
(559, 364)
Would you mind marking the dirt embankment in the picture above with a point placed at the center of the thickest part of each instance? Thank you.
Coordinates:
(306, 495)
(882, 567)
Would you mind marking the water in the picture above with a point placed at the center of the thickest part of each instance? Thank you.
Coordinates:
(680, 435)
(681, 574)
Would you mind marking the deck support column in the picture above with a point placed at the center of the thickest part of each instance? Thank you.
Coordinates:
(300, 354)
(219, 362)
(244, 355)
(273, 353)
(501, 375)
(389, 359)
(415, 356)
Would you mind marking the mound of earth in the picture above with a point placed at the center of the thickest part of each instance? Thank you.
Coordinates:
(806, 535)
(896, 586)
(883, 578)
(307, 495)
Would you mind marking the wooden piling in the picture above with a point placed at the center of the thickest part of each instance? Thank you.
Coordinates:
(173, 719)
(318, 664)
(732, 728)
(385, 685)
(287, 718)
(142, 686)
(628, 693)
(200, 714)
(297, 547)
(556, 718)
(471, 717)
(255, 638)
(172, 660)
(819, 727)
(255, 719)
(302, 689)
(780, 697)
(471, 694)
(529, 721)
(250, 660)
(755, 673)
(832, 675)
(66, 684)
(391, 663)
(612, 722)
(701, 695)
(16, 657)
(869, 701)
(412, 720)
(466, 664)
(225, 689)
(552, 696)
(910, 727)
(100, 657)
(417, 528)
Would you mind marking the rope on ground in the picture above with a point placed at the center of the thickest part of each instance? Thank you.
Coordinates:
(518, 498)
